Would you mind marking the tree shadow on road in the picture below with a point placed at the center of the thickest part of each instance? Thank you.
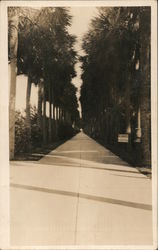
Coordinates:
(85, 196)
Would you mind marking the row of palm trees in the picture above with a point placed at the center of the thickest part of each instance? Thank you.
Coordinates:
(41, 48)
(115, 94)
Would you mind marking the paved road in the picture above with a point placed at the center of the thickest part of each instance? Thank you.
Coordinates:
(79, 194)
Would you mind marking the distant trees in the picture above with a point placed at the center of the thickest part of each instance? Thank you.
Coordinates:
(46, 55)
(115, 94)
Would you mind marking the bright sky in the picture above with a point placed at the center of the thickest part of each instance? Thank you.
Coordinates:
(81, 19)
(80, 24)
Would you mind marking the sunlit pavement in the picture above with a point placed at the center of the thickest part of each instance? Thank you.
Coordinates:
(79, 194)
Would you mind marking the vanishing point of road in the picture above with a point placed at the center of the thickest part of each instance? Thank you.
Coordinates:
(79, 194)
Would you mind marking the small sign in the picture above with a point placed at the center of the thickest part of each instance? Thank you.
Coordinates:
(123, 138)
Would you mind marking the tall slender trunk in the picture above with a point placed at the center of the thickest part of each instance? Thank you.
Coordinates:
(53, 112)
(54, 121)
(57, 120)
(28, 107)
(57, 113)
(145, 88)
(60, 113)
(13, 44)
(128, 122)
(138, 129)
(44, 116)
(64, 117)
(54, 133)
(40, 98)
(50, 114)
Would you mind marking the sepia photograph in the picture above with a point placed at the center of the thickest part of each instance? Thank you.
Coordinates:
(81, 124)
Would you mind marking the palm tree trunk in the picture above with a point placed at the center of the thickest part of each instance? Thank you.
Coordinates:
(13, 44)
(145, 108)
(128, 123)
(54, 121)
(60, 114)
(50, 115)
(57, 120)
(44, 117)
(138, 129)
(40, 98)
(145, 111)
(53, 112)
(64, 118)
(28, 106)
(57, 108)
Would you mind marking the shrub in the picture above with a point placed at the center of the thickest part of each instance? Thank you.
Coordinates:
(36, 131)
(21, 133)
(22, 138)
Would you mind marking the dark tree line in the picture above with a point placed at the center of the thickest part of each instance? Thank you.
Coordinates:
(41, 48)
(115, 94)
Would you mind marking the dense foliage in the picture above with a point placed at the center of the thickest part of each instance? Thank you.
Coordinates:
(116, 74)
(46, 55)
(21, 132)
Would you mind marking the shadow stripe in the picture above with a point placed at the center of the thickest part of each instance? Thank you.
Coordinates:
(76, 165)
(98, 168)
(136, 177)
(83, 163)
(85, 196)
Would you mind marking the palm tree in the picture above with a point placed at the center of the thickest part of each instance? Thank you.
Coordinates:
(113, 89)
(28, 62)
(13, 21)
(46, 56)
(40, 99)
(56, 47)
(17, 20)
(145, 109)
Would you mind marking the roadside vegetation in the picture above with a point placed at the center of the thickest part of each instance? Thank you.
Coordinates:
(115, 94)
(41, 48)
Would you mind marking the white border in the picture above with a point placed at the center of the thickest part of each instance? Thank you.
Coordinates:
(4, 128)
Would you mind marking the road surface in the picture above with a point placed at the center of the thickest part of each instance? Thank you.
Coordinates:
(79, 194)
